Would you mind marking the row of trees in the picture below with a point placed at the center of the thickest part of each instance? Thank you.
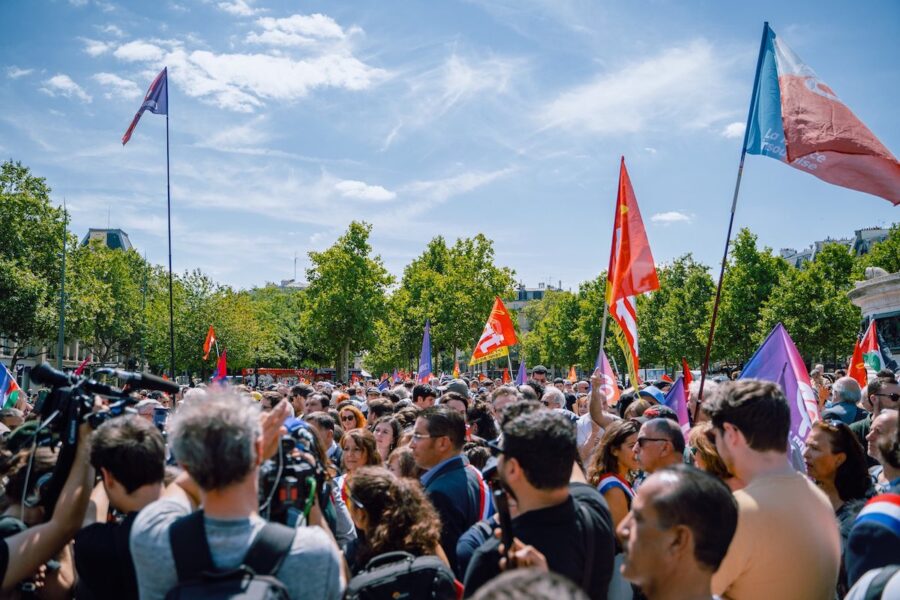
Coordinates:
(116, 303)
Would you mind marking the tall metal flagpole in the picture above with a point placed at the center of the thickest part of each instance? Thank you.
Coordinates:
(754, 98)
(61, 341)
(169, 215)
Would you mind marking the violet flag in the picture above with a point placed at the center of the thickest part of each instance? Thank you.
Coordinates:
(676, 399)
(522, 375)
(156, 101)
(777, 360)
(424, 373)
(797, 119)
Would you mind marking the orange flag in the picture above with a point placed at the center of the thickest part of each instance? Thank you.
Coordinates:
(456, 369)
(686, 373)
(506, 377)
(573, 377)
(498, 335)
(631, 271)
(210, 341)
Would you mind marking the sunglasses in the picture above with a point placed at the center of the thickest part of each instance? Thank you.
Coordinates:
(642, 441)
(893, 397)
(356, 502)
(348, 418)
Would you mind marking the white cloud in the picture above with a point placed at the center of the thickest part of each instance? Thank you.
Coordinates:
(360, 190)
(734, 130)
(669, 217)
(240, 8)
(112, 30)
(118, 87)
(242, 136)
(138, 51)
(95, 47)
(78, 3)
(649, 150)
(296, 30)
(14, 72)
(62, 85)
(429, 193)
(680, 87)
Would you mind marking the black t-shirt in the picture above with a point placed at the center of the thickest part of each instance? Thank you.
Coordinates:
(103, 561)
(557, 533)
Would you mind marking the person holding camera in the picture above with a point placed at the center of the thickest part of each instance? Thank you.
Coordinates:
(130, 455)
(220, 443)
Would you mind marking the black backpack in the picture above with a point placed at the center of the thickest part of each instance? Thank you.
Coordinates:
(400, 575)
(254, 579)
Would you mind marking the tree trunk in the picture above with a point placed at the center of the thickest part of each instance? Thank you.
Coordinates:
(342, 371)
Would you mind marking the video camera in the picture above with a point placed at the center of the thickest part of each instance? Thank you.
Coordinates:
(290, 482)
(69, 403)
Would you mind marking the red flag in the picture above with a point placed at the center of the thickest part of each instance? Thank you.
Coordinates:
(686, 373)
(666, 378)
(482, 377)
(631, 271)
(209, 343)
(866, 353)
(83, 364)
(573, 377)
(456, 369)
(498, 335)
(221, 368)
(506, 377)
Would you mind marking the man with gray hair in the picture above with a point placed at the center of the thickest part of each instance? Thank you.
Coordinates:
(709, 390)
(553, 397)
(845, 407)
(220, 443)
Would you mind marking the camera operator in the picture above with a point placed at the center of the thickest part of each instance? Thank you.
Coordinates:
(129, 453)
(221, 442)
(22, 554)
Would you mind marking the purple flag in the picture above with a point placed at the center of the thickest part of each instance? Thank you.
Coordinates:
(156, 101)
(396, 376)
(676, 399)
(424, 373)
(522, 375)
(777, 360)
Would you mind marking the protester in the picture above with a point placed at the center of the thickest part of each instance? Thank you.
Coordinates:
(324, 426)
(502, 397)
(569, 524)
(787, 545)
(882, 393)
(387, 434)
(298, 395)
(402, 463)
(220, 443)
(351, 417)
(844, 406)
(130, 455)
(456, 402)
(613, 465)
(423, 396)
(316, 403)
(874, 541)
(393, 514)
(532, 583)
(359, 450)
(659, 444)
(837, 464)
(677, 533)
(879, 442)
(539, 374)
(695, 406)
(706, 457)
(456, 490)
(481, 421)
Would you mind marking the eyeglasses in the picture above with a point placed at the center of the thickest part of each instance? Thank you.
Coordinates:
(642, 441)
(348, 418)
(893, 397)
(693, 450)
(420, 436)
(356, 502)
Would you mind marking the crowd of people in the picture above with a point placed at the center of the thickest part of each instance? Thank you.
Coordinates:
(485, 489)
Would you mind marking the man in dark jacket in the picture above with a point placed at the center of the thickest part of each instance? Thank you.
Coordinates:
(453, 486)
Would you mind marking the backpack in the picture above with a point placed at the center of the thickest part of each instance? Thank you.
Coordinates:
(254, 579)
(400, 575)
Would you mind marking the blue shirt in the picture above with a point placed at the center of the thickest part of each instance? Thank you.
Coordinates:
(429, 474)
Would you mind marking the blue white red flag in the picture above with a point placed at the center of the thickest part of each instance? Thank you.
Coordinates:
(221, 368)
(424, 373)
(797, 119)
(396, 376)
(676, 399)
(522, 375)
(9, 389)
(156, 101)
(777, 360)
(384, 385)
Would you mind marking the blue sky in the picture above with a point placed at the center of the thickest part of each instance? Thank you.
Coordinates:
(506, 117)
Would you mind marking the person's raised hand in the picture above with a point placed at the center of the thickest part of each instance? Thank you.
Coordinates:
(272, 427)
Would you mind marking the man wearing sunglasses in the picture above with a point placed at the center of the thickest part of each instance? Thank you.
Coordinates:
(787, 545)
(659, 444)
(882, 393)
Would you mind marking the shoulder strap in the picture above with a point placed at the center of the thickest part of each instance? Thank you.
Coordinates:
(589, 547)
(269, 549)
(190, 550)
(880, 581)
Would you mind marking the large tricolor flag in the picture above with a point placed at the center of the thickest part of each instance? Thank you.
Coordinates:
(424, 373)
(156, 101)
(799, 120)
(778, 360)
(631, 271)
(209, 343)
(866, 353)
(9, 389)
(498, 335)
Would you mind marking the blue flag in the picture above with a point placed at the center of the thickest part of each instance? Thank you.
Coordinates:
(522, 375)
(424, 373)
(156, 101)
(676, 399)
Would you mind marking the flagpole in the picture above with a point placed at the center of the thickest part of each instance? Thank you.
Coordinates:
(169, 219)
(61, 341)
(754, 97)
(603, 327)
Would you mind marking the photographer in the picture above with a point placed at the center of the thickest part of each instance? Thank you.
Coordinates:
(129, 453)
(22, 554)
(221, 442)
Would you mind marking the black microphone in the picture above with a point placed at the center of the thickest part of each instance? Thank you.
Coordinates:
(148, 382)
(44, 373)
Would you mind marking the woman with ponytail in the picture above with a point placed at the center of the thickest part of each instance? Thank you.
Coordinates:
(391, 514)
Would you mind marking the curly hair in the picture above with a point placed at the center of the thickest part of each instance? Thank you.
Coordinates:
(364, 439)
(698, 438)
(360, 418)
(604, 461)
(400, 517)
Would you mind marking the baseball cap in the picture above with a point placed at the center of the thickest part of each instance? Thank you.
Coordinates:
(654, 393)
(541, 369)
(459, 386)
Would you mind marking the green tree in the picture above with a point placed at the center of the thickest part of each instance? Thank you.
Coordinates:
(750, 278)
(553, 337)
(31, 242)
(347, 289)
(884, 254)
